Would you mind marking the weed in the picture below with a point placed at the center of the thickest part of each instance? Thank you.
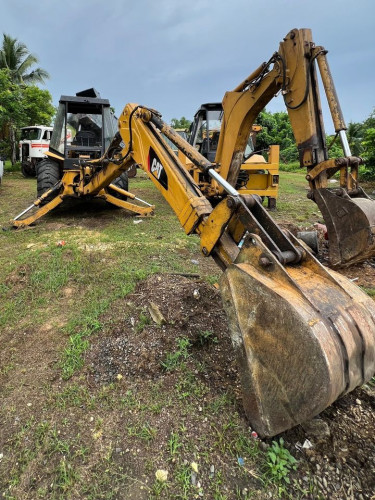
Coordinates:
(6, 369)
(217, 483)
(222, 441)
(73, 355)
(213, 279)
(183, 478)
(74, 395)
(174, 359)
(206, 337)
(174, 444)
(279, 464)
(8, 167)
(189, 385)
(243, 494)
(158, 488)
(129, 400)
(220, 403)
(246, 446)
(290, 167)
(41, 431)
(143, 321)
(66, 475)
(146, 432)
(56, 444)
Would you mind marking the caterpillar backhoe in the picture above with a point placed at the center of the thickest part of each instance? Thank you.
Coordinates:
(304, 335)
(83, 129)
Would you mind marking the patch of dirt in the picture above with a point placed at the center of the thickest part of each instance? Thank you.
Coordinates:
(18, 279)
(92, 214)
(136, 347)
(361, 274)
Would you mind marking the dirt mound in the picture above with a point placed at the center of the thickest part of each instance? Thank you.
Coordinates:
(192, 324)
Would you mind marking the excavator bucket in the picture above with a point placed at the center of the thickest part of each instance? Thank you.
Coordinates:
(350, 224)
(303, 335)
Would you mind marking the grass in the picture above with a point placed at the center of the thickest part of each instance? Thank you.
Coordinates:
(8, 167)
(369, 291)
(290, 167)
(175, 359)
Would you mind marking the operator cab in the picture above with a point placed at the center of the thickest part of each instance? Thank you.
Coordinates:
(84, 127)
(205, 131)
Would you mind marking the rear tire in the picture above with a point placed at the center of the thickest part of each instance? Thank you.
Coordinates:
(28, 170)
(47, 175)
(123, 183)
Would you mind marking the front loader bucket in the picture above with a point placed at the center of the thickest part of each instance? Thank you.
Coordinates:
(351, 226)
(303, 336)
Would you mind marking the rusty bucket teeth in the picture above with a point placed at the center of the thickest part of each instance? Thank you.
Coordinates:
(303, 336)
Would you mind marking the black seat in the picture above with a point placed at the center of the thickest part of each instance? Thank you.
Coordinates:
(85, 138)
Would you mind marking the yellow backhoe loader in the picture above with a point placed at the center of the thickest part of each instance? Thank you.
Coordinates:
(256, 176)
(304, 335)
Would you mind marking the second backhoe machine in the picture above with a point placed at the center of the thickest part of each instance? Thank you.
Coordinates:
(303, 335)
(256, 175)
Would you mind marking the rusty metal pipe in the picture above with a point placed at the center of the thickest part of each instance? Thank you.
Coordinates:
(330, 90)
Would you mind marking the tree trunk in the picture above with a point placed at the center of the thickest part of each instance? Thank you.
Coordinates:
(13, 145)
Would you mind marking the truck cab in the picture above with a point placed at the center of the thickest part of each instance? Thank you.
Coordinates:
(33, 145)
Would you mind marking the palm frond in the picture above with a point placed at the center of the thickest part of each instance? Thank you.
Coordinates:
(15, 56)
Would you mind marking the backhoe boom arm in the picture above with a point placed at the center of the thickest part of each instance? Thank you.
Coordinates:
(347, 211)
(303, 335)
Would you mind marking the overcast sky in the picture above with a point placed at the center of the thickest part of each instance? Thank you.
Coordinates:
(173, 55)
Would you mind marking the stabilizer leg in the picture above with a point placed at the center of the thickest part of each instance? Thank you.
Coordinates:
(17, 222)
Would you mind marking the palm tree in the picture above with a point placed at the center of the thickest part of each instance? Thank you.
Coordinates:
(15, 57)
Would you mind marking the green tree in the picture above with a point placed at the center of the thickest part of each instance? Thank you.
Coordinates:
(276, 129)
(16, 65)
(11, 113)
(38, 107)
(15, 57)
(354, 134)
(20, 106)
(368, 144)
(183, 123)
(370, 121)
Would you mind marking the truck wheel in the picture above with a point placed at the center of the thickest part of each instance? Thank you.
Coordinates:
(47, 174)
(28, 169)
(122, 182)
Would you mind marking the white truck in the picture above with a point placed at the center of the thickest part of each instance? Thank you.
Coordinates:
(33, 144)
